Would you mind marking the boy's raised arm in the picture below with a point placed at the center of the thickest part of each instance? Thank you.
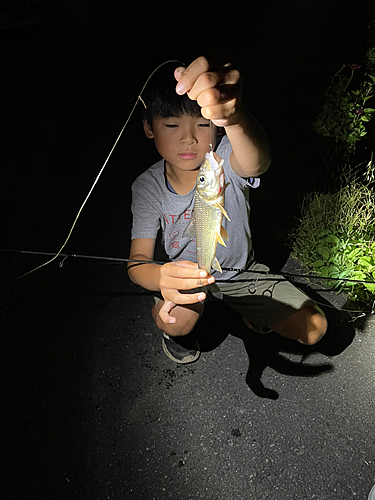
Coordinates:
(218, 92)
(251, 154)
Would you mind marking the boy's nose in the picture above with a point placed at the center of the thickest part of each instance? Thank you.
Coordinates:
(188, 137)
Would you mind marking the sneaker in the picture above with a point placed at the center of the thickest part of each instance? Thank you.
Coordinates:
(181, 349)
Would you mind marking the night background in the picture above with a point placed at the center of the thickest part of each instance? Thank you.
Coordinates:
(91, 408)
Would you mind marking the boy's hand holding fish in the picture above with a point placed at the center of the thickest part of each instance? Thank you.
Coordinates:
(176, 276)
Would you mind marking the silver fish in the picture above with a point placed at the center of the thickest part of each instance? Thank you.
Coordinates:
(208, 213)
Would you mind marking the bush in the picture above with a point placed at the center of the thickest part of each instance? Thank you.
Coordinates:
(336, 234)
(336, 238)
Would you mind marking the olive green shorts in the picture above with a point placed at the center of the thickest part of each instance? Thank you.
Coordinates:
(262, 299)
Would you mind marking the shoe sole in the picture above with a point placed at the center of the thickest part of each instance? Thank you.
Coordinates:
(187, 359)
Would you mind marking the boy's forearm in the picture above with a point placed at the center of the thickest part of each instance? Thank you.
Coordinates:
(145, 275)
(251, 150)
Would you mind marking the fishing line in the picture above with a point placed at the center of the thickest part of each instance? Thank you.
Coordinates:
(139, 98)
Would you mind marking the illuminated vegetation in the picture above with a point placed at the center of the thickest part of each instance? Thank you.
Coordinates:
(335, 237)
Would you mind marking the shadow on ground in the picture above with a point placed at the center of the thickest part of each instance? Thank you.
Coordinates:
(265, 350)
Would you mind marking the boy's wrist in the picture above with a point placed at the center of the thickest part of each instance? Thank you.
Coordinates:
(237, 122)
(146, 276)
(238, 118)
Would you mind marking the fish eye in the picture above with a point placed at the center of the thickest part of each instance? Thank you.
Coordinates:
(201, 178)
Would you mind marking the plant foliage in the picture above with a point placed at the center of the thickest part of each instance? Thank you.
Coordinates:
(336, 238)
(336, 234)
(345, 113)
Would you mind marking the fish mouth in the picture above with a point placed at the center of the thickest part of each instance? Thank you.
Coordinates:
(188, 156)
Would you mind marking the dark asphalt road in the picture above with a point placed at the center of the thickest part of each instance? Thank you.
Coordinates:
(92, 408)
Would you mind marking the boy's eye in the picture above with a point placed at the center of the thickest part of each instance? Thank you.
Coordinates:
(171, 126)
(204, 125)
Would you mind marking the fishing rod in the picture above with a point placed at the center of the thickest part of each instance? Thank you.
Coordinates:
(160, 262)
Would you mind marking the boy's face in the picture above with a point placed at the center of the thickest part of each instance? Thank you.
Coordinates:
(182, 141)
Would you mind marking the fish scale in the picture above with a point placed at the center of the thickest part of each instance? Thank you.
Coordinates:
(207, 226)
(206, 223)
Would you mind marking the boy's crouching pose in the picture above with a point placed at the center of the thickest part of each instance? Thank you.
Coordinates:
(179, 109)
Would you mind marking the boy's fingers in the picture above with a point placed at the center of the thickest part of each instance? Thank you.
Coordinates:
(185, 263)
(185, 284)
(220, 111)
(165, 310)
(218, 95)
(169, 305)
(184, 298)
(204, 81)
(190, 75)
(224, 81)
(178, 72)
(180, 270)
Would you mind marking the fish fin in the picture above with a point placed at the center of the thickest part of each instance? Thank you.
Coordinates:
(220, 240)
(189, 231)
(224, 233)
(216, 265)
(222, 209)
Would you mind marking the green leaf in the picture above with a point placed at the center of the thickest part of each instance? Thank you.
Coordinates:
(331, 238)
(335, 259)
(369, 110)
(344, 274)
(353, 253)
(318, 263)
(334, 272)
(325, 232)
(324, 271)
(366, 260)
(365, 118)
(364, 263)
(324, 252)
(359, 275)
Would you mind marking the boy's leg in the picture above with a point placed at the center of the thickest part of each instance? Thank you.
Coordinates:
(308, 325)
(178, 345)
(270, 302)
(186, 316)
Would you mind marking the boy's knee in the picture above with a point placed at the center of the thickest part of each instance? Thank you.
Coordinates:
(307, 326)
(317, 327)
(186, 317)
(313, 338)
(178, 330)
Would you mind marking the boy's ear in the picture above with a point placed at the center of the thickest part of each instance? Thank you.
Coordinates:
(148, 129)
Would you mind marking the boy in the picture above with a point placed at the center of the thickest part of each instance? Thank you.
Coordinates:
(177, 117)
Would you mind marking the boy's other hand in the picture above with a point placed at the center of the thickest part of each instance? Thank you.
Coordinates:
(176, 276)
(217, 90)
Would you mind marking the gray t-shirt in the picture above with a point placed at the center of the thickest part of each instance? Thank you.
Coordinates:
(154, 206)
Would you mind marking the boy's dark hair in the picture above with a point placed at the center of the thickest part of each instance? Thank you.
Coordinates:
(161, 99)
